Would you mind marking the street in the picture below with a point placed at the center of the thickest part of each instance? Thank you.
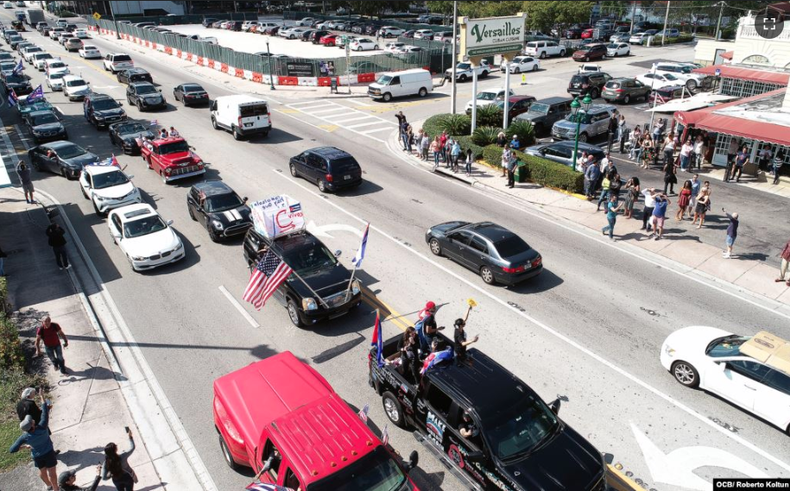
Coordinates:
(588, 329)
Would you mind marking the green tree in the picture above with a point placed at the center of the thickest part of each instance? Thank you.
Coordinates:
(541, 16)
(475, 10)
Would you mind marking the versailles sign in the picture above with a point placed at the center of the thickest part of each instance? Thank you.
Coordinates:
(493, 35)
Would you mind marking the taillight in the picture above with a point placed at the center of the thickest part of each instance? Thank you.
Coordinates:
(239, 120)
(618, 90)
(329, 178)
(519, 269)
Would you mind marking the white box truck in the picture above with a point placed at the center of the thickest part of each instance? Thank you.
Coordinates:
(242, 115)
(34, 16)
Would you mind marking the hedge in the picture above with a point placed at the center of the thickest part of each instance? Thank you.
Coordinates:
(683, 38)
(492, 155)
(466, 142)
(539, 170)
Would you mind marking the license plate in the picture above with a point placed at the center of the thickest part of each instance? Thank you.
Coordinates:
(247, 125)
(347, 178)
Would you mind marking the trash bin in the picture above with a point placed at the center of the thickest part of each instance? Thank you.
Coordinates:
(521, 172)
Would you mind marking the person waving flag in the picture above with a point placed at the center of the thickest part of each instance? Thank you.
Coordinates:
(270, 273)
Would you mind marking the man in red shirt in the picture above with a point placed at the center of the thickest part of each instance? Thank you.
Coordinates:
(785, 255)
(51, 333)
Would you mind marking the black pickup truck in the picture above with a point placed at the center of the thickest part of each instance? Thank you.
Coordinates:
(521, 443)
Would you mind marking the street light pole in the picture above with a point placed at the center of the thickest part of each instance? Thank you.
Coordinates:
(633, 16)
(112, 15)
(655, 97)
(718, 22)
(453, 60)
(666, 18)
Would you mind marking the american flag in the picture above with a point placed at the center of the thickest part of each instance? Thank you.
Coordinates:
(259, 486)
(269, 274)
(385, 435)
(363, 413)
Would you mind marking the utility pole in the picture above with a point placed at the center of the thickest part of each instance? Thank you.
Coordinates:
(633, 16)
(666, 18)
(453, 60)
(112, 16)
(718, 22)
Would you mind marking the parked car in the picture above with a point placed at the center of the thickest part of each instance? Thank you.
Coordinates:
(587, 33)
(117, 61)
(464, 70)
(315, 36)
(669, 32)
(625, 90)
(305, 36)
(190, 94)
(641, 37)
(329, 167)
(659, 80)
(574, 33)
(405, 51)
(667, 93)
(61, 157)
(305, 22)
(490, 250)
(588, 83)
(620, 37)
(517, 104)
(522, 64)
(486, 97)
(425, 34)
(415, 81)
(101, 110)
(145, 96)
(75, 88)
(393, 47)
(363, 44)
(390, 32)
(594, 122)
(684, 72)
(144, 237)
(589, 68)
(590, 52)
(542, 49)
(44, 126)
(89, 52)
(618, 49)
(219, 209)
(209, 22)
(562, 151)
(330, 40)
(108, 188)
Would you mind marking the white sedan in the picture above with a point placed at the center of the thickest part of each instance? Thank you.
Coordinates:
(362, 44)
(423, 34)
(145, 239)
(82, 34)
(108, 188)
(393, 47)
(55, 80)
(522, 64)
(405, 51)
(88, 51)
(751, 372)
(618, 49)
(659, 80)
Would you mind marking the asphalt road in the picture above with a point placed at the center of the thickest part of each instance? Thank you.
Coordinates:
(588, 329)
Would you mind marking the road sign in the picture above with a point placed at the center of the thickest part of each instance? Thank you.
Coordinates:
(96, 15)
(718, 72)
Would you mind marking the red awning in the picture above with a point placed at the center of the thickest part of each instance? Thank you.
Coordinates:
(729, 71)
(706, 119)
(727, 55)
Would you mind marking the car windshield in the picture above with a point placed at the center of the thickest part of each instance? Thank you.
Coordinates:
(580, 116)
(89, 48)
(76, 83)
(486, 96)
(15, 79)
(539, 108)
(105, 104)
(223, 202)
(146, 89)
(384, 80)
(43, 56)
(110, 179)
(511, 246)
(70, 151)
(57, 64)
(126, 129)
(143, 226)
(726, 346)
(193, 88)
(310, 258)
(520, 428)
(175, 147)
(7, 66)
(463, 66)
(47, 118)
(376, 471)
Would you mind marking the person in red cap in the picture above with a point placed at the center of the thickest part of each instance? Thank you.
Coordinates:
(426, 327)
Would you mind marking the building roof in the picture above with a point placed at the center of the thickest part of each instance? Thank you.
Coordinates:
(729, 71)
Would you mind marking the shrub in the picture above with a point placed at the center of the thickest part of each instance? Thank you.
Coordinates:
(11, 354)
(466, 142)
(433, 124)
(524, 130)
(489, 115)
(552, 174)
(485, 135)
(455, 124)
(492, 155)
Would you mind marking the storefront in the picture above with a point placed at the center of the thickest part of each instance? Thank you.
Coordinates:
(745, 82)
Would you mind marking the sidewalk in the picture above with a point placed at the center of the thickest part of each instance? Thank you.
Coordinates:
(89, 409)
(681, 242)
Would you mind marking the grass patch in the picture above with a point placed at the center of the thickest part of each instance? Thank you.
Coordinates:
(9, 432)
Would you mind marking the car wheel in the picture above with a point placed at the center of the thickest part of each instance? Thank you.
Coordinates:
(293, 313)
(422, 92)
(487, 275)
(594, 93)
(164, 178)
(148, 162)
(387, 97)
(583, 137)
(293, 170)
(96, 210)
(535, 67)
(212, 235)
(436, 247)
(64, 173)
(462, 78)
(226, 454)
(322, 186)
(562, 52)
(393, 409)
(685, 374)
(214, 123)
(627, 99)
(542, 55)
(236, 134)
(691, 84)
(517, 70)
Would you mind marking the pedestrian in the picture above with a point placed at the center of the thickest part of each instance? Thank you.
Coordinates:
(174, 133)
(469, 159)
(515, 144)
(611, 216)
(401, 118)
(581, 161)
(501, 139)
(409, 138)
(621, 132)
(732, 233)
(68, 481)
(659, 215)
(703, 204)
(443, 145)
(740, 160)
(455, 153)
(35, 436)
(57, 240)
(764, 158)
(448, 152)
(50, 333)
(507, 155)
(647, 211)
(776, 165)
(607, 166)
(459, 337)
(647, 152)
(695, 187)
(611, 131)
(699, 153)
(436, 152)
(23, 171)
(425, 144)
(631, 197)
(511, 171)
(785, 255)
(732, 151)
(27, 405)
(591, 175)
(658, 129)
(685, 155)
(670, 177)
(684, 197)
(669, 148)
(116, 466)
(634, 142)
(604, 191)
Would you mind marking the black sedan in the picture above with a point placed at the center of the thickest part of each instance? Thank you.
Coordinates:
(218, 208)
(190, 94)
(61, 157)
(45, 126)
(134, 75)
(562, 151)
(19, 83)
(126, 134)
(495, 253)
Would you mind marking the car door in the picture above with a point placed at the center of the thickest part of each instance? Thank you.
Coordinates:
(85, 182)
(453, 244)
(476, 253)
(318, 168)
(736, 380)
(116, 228)
(274, 473)
(600, 123)
(560, 153)
(772, 400)
(437, 413)
(50, 163)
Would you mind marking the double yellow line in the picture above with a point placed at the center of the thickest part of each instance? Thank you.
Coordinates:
(387, 313)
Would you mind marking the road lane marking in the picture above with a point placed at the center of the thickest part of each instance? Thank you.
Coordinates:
(340, 110)
(328, 127)
(373, 131)
(361, 103)
(390, 314)
(239, 307)
(353, 118)
(634, 379)
(22, 138)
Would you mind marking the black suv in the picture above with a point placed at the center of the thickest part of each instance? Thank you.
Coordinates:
(625, 90)
(145, 96)
(545, 112)
(316, 267)
(519, 439)
(588, 83)
(133, 75)
(218, 208)
(19, 83)
(329, 167)
(102, 110)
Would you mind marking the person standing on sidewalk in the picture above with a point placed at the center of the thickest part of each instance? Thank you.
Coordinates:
(764, 158)
(511, 172)
(776, 165)
(612, 131)
(68, 481)
(57, 240)
(35, 436)
(635, 142)
(23, 171)
(455, 152)
(740, 160)
(507, 155)
(27, 405)
(703, 204)
(670, 176)
(669, 148)
(621, 133)
(732, 233)
(611, 216)
(116, 466)
(425, 143)
(501, 139)
(434, 147)
(732, 152)
(684, 198)
(647, 211)
(685, 155)
(699, 153)
(647, 152)
(469, 159)
(659, 215)
(51, 333)
(695, 186)
(591, 175)
(785, 255)
(632, 196)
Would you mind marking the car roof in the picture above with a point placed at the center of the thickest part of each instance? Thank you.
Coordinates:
(213, 188)
(41, 113)
(96, 170)
(142, 84)
(329, 152)
(97, 95)
(136, 70)
(57, 145)
(770, 350)
(621, 79)
(70, 77)
(554, 100)
(596, 108)
(489, 230)
(135, 211)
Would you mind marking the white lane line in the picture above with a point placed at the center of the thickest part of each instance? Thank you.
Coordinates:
(343, 120)
(334, 109)
(239, 307)
(331, 118)
(360, 125)
(22, 137)
(361, 103)
(373, 131)
(554, 332)
(302, 103)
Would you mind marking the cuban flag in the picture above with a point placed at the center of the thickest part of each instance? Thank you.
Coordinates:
(36, 94)
(436, 358)
(357, 261)
(18, 68)
(363, 413)
(385, 435)
(259, 486)
(378, 340)
(13, 100)
(107, 162)
(154, 122)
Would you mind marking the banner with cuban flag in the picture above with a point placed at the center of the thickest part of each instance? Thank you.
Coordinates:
(13, 100)
(357, 261)
(260, 486)
(436, 358)
(18, 68)
(36, 94)
(378, 341)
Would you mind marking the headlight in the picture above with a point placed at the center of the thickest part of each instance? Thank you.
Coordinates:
(217, 224)
(355, 287)
(138, 258)
(99, 198)
(98, 116)
(309, 304)
(179, 246)
(669, 350)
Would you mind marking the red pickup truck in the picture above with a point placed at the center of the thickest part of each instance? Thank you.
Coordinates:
(172, 158)
(283, 419)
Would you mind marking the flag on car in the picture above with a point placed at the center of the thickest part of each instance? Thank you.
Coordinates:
(154, 122)
(363, 413)
(377, 340)
(36, 94)
(259, 486)
(269, 273)
(107, 162)
(13, 100)
(385, 435)
(18, 68)
(357, 261)
(436, 358)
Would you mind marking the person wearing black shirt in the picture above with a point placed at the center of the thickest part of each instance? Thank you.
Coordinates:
(460, 337)
(57, 241)
(468, 428)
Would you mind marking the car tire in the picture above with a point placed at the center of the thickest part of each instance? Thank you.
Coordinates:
(236, 134)
(627, 99)
(583, 137)
(96, 210)
(322, 186)
(164, 178)
(487, 275)
(691, 84)
(435, 247)
(562, 53)
(542, 55)
(535, 67)
(462, 78)
(191, 214)
(393, 409)
(293, 313)
(594, 93)
(387, 97)
(685, 374)
(227, 455)
(213, 236)
(423, 92)
(214, 123)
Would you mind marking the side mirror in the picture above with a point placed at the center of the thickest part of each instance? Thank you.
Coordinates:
(555, 406)
(191, 147)
(722, 365)
(245, 199)
(477, 456)
(169, 223)
(131, 176)
(116, 235)
(414, 459)
(338, 253)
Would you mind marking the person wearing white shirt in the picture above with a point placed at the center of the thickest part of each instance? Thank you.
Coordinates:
(699, 153)
(650, 203)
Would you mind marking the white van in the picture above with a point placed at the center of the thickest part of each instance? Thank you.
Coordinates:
(398, 84)
(242, 115)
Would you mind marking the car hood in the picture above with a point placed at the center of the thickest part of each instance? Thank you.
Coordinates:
(151, 97)
(179, 158)
(155, 243)
(83, 89)
(325, 282)
(529, 116)
(18, 84)
(233, 216)
(115, 192)
(442, 228)
(565, 124)
(133, 136)
(108, 113)
(81, 160)
(568, 462)
(49, 127)
(694, 339)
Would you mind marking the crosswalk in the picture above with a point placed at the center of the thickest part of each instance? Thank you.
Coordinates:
(330, 116)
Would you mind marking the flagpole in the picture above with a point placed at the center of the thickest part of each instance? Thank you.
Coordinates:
(326, 305)
(356, 263)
